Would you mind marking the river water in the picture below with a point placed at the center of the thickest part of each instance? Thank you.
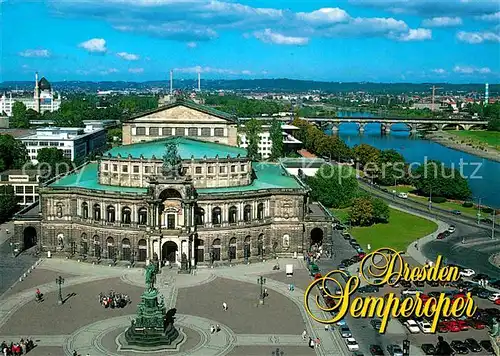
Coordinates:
(484, 183)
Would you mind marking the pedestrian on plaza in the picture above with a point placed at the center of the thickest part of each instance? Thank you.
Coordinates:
(212, 329)
(224, 306)
(327, 327)
(316, 342)
(217, 328)
(293, 287)
(75, 353)
(265, 292)
(304, 334)
(416, 246)
(311, 343)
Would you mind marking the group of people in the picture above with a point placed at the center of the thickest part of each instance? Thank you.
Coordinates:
(214, 328)
(312, 342)
(114, 300)
(18, 348)
(315, 254)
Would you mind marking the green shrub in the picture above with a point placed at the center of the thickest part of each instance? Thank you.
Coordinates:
(468, 204)
(438, 200)
(487, 210)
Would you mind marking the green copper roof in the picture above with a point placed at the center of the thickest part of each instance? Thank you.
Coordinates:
(269, 176)
(86, 178)
(187, 148)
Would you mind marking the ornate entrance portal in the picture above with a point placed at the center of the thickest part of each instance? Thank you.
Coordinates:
(169, 251)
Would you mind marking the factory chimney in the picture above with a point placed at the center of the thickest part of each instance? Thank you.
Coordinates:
(171, 82)
(486, 94)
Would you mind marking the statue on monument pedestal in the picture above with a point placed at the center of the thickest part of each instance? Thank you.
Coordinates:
(150, 276)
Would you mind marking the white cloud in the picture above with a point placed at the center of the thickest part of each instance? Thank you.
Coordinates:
(192, 44)
(494, 17)
(419, 34)
(268, 36)
(40, 53)
(471, 70)
(136, 70)
(442, 22)
(109, 71)
(438, 71)
(324, 15)
(128, 56)
(213, 70)
(94, 45)
(477, 37)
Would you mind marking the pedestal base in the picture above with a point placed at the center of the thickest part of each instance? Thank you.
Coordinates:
(150, 340)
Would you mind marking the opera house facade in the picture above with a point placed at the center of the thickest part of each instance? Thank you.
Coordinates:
(179, 190)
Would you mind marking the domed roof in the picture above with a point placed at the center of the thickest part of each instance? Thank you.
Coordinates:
(44, 84)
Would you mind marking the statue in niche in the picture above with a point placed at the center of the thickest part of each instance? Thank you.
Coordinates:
(172, 162)
(184, 262)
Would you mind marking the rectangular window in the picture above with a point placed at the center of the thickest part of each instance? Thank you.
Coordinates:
(115, 168)
(61, 143)
(136, 169)
(167, 131)
(29, 199)
(205, 131)
(19, 190)
(170, 221)
(28, 189)
(193, 131)
(54, 144)
(210, 170)
(147, 169)
(219, 132)
(233, 169)
(105, 166)
(198, 170)
(242, 168)
(140, 131)
(154, 131)
(179, 131)
(124, 169)
(222, 169)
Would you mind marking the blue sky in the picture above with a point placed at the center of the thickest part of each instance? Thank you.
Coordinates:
(350, 40)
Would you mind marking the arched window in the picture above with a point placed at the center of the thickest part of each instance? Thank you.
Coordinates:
(97, 246)
(143, 248)
(216, 216)
(126, 215)
(286, 241)
(260, 245)
(110, 244)
(200, 250)
(85, 211)
(247, 213)
(199, 216)
(260, 211)
(84, 245)
(126, 255)
(59, 210)
(232, 249)
(143, 216)
(247, 247)
(110, 214)
(97, 212)
(216, 250)
(233, 215)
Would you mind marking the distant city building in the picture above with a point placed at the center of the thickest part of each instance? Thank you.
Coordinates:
(43, 99)
(75, 142)
(25, 184)
(290, 143)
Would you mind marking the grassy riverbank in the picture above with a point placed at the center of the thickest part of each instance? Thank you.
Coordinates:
(490, 138)
(402, 230)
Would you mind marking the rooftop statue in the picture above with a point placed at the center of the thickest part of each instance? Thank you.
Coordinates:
(171, 159)
(151, 276)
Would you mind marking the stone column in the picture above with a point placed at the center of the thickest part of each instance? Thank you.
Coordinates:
(193, 262)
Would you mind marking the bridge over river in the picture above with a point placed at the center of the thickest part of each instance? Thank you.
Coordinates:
(414, 124)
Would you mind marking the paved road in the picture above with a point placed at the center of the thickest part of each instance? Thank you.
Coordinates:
(11, 268)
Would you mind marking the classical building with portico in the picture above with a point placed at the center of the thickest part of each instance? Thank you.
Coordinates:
(219, 206)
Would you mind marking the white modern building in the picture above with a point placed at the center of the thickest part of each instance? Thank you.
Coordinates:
(43, 99)
(25, 184)
(265, 144)
(75, 142)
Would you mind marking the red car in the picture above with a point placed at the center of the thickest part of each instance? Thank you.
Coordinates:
(441, 236)
(462, 324)
(361, 255)
(497, 301)
(476, 324)
(442, 328)
(318, 276)
(453, 326)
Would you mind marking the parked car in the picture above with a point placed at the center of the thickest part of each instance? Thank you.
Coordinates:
(451, 229)
(441, 236)
(442, 328)
(394, 350)
(486, 221)
(494, 296)
(456, 212)
(345, 332)
(412, 326)
(424, 326)
(368, 289)
(346, 235)
(428, 349)
(341, 322)
(459, 347)
(473, 345)
(468, 272)
(409, 292)
(452, 326)
(486, 345)
(476, 324)
(481, 276)
(376, 323)
(403, 195)
(480, 292)
(352, 344)
(376, 350)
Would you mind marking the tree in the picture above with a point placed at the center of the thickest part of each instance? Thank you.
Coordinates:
(115, 132)
(276, 136)
(364, 154)
(381, 211)
(361, 212)
(334, 186)
(8, 202)
(436, 179)
(32, 115)
(53, 162)
(19, 118)
(13, 153)
(392, 168)
(252, 130)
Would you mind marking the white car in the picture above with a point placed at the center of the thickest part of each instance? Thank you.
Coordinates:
(467, 272)
(451, 229)
(409, 292)
(424, 326)
(403, 195)
(494, 296)
(412, 326)
(352, 344)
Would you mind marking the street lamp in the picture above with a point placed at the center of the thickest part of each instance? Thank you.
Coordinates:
(278, 352)
(60, 281)
(261, 280)
(493, 213)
